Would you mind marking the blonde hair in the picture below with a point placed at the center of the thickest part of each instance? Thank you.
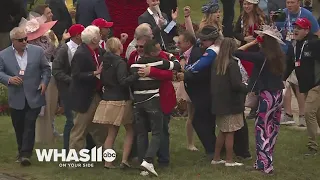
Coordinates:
(208, 19)
(113, 44)
(259, 19)
(227, 48)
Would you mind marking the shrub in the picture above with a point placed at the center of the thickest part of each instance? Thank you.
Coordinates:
(4, 107)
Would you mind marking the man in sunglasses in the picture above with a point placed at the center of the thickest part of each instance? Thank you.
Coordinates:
(26, 88)
(305, 61)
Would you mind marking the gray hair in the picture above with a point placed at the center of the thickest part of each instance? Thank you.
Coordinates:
(142, 30)
(89, 34)
(15, 31)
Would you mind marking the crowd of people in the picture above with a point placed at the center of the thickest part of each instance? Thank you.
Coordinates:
(220, 69)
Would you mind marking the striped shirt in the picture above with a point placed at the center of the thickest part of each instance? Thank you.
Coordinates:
(147, 88)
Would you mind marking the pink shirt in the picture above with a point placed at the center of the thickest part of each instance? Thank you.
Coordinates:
(187, 54)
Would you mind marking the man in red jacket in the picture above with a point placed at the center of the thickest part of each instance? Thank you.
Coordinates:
(167, 95)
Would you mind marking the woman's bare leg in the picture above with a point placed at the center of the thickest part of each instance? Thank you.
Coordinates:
(127, 143)
(219, 144)
(229, 146)
(108, 144)
(189, 128)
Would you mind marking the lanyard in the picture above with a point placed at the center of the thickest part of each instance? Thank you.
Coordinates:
(290, 28)
(295, 51)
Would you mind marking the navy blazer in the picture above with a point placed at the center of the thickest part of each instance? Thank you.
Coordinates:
(89, 10)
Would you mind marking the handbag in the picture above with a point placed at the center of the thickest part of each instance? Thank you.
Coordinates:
(252, 99)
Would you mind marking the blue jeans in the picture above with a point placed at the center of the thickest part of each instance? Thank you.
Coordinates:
(69, 123)
(164, 152)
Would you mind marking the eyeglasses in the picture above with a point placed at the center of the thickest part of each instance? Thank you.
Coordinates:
(137, 46)
(22, 39)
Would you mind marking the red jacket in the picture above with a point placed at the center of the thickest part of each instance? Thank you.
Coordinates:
(167, 93)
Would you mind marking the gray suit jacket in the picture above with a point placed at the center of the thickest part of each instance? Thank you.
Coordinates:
(37, 71)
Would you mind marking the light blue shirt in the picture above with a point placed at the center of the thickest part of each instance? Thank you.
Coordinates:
(22, 60)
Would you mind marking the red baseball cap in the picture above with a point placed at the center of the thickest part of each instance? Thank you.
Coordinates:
(75, 30)
(101, 23)
(303, 23)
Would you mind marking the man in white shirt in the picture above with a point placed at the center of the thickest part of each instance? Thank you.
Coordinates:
(159, 22)
(61, 70)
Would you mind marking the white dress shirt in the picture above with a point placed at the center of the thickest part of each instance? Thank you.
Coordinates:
(22, 60)
(72, 46)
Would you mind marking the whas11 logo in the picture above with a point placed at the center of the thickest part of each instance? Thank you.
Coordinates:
(74, 159)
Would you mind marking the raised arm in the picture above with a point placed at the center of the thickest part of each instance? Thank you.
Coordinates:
(188, 20)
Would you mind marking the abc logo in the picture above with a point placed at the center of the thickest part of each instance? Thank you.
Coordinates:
(109, 155)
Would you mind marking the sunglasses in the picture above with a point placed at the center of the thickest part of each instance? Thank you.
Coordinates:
(22, 39)
(137, 46)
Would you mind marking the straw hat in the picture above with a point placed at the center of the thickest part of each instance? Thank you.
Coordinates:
(272, 32)
(253, 1)
(36, 26)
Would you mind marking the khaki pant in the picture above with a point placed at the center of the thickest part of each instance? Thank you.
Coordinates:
(83, 125)
(4, 40)
(312, 115)
(44, 130)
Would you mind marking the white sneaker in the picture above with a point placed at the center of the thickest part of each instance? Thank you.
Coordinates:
(233, 164)
(213, 162)
(149, 167)
(286, 120)
(302, 121)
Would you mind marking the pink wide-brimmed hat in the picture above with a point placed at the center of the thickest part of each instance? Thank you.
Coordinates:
(36, 26)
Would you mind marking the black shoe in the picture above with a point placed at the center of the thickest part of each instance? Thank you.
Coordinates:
(25, 161)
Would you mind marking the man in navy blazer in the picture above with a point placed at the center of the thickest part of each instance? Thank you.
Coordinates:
(26, 72)
(89, 10)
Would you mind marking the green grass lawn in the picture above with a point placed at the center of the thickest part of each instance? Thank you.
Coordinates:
(290, 164)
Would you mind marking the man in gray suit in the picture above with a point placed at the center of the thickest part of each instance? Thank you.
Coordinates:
(25, 70)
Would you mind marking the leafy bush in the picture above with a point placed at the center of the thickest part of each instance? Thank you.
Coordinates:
(4, 107)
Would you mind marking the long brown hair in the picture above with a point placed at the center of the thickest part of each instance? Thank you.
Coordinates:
(227, 48)
(274, 55)
(259, 19)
